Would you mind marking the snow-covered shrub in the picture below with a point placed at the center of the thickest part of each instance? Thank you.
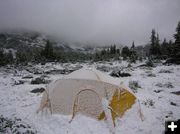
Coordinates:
(38, 90)
(149, 63)
(129, 65)
(145, 67)
(15, 126)
(159, 85)
(103, 68)
(149, 103)
(18, 82)
(39, 80)
(119, 74)
(158, 91)
(173, 104)
(134, 85)
(27, 77)
(166, 85)
(165, 71)
(34, 70)
(176, 92)
(169, 114)
(151, 75)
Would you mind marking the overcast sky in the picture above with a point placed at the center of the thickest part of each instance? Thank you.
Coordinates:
(93, 21)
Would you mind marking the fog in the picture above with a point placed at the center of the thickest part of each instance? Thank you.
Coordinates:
(93, 21)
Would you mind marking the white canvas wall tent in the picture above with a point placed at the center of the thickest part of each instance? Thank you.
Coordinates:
(82, 92)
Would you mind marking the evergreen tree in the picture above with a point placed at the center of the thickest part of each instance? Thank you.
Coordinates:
(2, 63)
(97, 57)
(111, 49)
(167, 48)
(158, 48)
(133, 55)
(175, 47)
(108, 51)
(118, 51)
(133, 46)
(9, 57)
(114, 49)
(153, 42)
(21, 57)
(177, 34)
(164, 48)
(5, 58)
(37, 56)
(48, 52)
(103, 52)
(177, 41)
(155, 45)
(170, 48)
(125, 52)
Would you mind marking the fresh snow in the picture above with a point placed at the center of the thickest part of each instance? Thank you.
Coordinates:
(18, 101)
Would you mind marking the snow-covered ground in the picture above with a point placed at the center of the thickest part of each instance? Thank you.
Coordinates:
(154, 89)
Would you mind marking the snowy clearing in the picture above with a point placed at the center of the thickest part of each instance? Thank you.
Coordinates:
(154, 92)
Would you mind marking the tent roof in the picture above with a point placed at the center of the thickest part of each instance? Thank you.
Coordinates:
(93, 74)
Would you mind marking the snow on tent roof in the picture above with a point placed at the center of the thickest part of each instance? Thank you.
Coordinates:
(88, 74)
(93, 74)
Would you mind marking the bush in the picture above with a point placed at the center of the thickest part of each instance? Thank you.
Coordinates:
(165, 71)
(134, 86)
(6, 58)
(151, 75)
(149, 103)
(166, 85)
(15, 126)
(149, 63)
(39, 80)
(38, 90)
(119, 74)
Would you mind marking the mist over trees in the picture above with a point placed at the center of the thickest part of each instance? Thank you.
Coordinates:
(163, 50)
(156, 49)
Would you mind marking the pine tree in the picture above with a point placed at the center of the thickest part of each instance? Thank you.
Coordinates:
(155, 45)
(177, 41)
(164, 48)
(153, 42)
(133, 46)
(97, 57)
(48, 52)
(175, 56)
(103, 52)
(118, 51)
(9, 57)
(133, 55)
(2, 63)
(170, 48)
(111, 49)
(125, 52)
(21, 57)
(114, 49)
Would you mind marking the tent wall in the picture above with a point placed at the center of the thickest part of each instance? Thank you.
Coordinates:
(66, 93)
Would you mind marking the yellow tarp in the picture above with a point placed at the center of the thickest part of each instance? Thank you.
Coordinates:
(121, 101)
